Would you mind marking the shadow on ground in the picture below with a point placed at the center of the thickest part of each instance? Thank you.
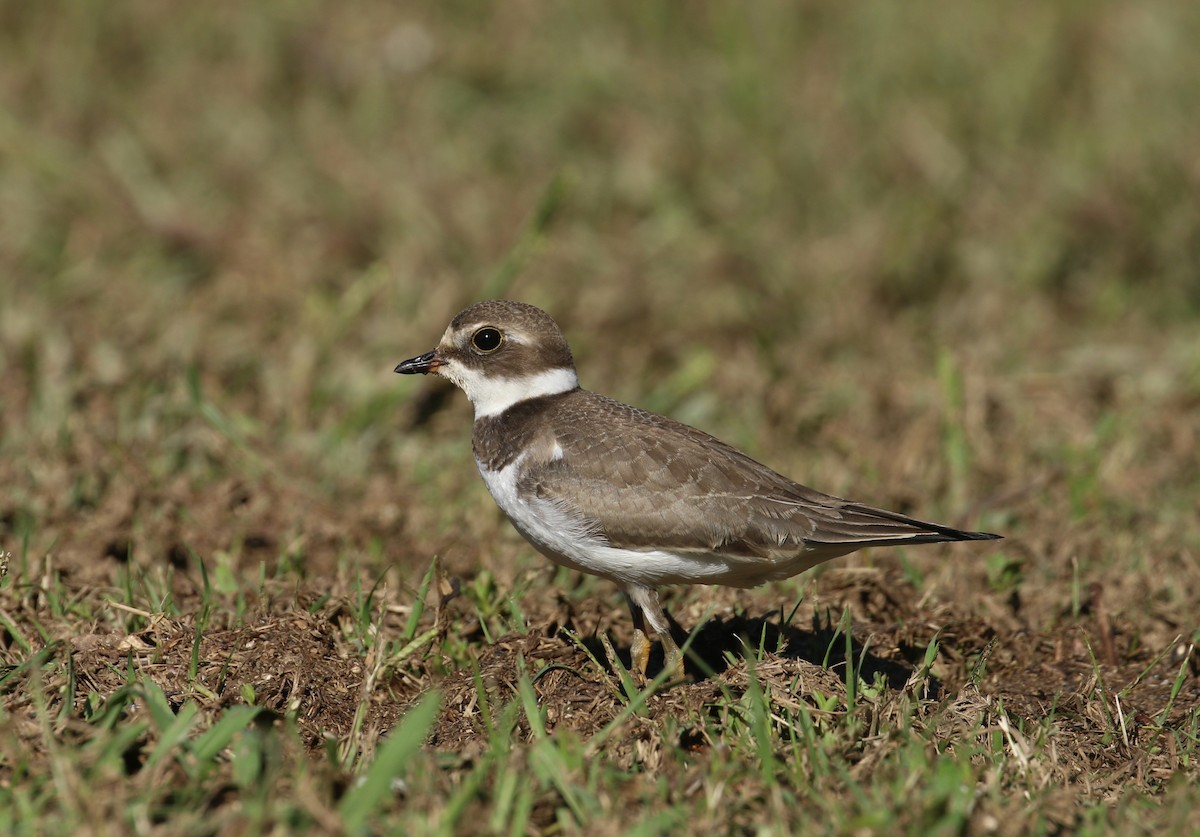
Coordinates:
(722, 641)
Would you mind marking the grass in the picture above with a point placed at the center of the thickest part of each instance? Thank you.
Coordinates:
(941, 260)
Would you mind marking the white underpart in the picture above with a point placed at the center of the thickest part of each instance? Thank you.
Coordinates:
(563, 535)
(492, 395)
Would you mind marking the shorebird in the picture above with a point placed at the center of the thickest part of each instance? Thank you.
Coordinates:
(634, 497)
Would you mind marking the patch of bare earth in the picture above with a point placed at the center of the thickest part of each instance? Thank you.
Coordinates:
(1098, 718)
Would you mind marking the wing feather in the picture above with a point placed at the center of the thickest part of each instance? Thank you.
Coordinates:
(648, 482)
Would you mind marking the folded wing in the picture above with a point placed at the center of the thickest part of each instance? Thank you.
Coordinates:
(647, 482)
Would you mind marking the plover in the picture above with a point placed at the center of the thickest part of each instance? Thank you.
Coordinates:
(642, 500)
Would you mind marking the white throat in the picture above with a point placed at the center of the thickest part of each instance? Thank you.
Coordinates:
(492, 396)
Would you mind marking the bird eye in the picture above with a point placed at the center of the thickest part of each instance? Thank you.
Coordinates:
(487, 339)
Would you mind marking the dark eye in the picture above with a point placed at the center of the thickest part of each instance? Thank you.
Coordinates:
(487, 339)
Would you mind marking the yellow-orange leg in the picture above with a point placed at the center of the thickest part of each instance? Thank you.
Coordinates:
(672, 656)
(639, 653)
(649, 618)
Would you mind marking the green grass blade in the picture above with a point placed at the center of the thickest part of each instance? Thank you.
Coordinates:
(235, 719)
(375, 786)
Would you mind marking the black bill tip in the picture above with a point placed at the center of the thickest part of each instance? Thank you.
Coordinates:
(983, 536)
(423, 365)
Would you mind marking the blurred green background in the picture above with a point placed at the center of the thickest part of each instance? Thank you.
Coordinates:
(925, 253)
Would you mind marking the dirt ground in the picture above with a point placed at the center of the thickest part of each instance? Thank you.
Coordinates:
(1108, 666)
(1048, 639)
